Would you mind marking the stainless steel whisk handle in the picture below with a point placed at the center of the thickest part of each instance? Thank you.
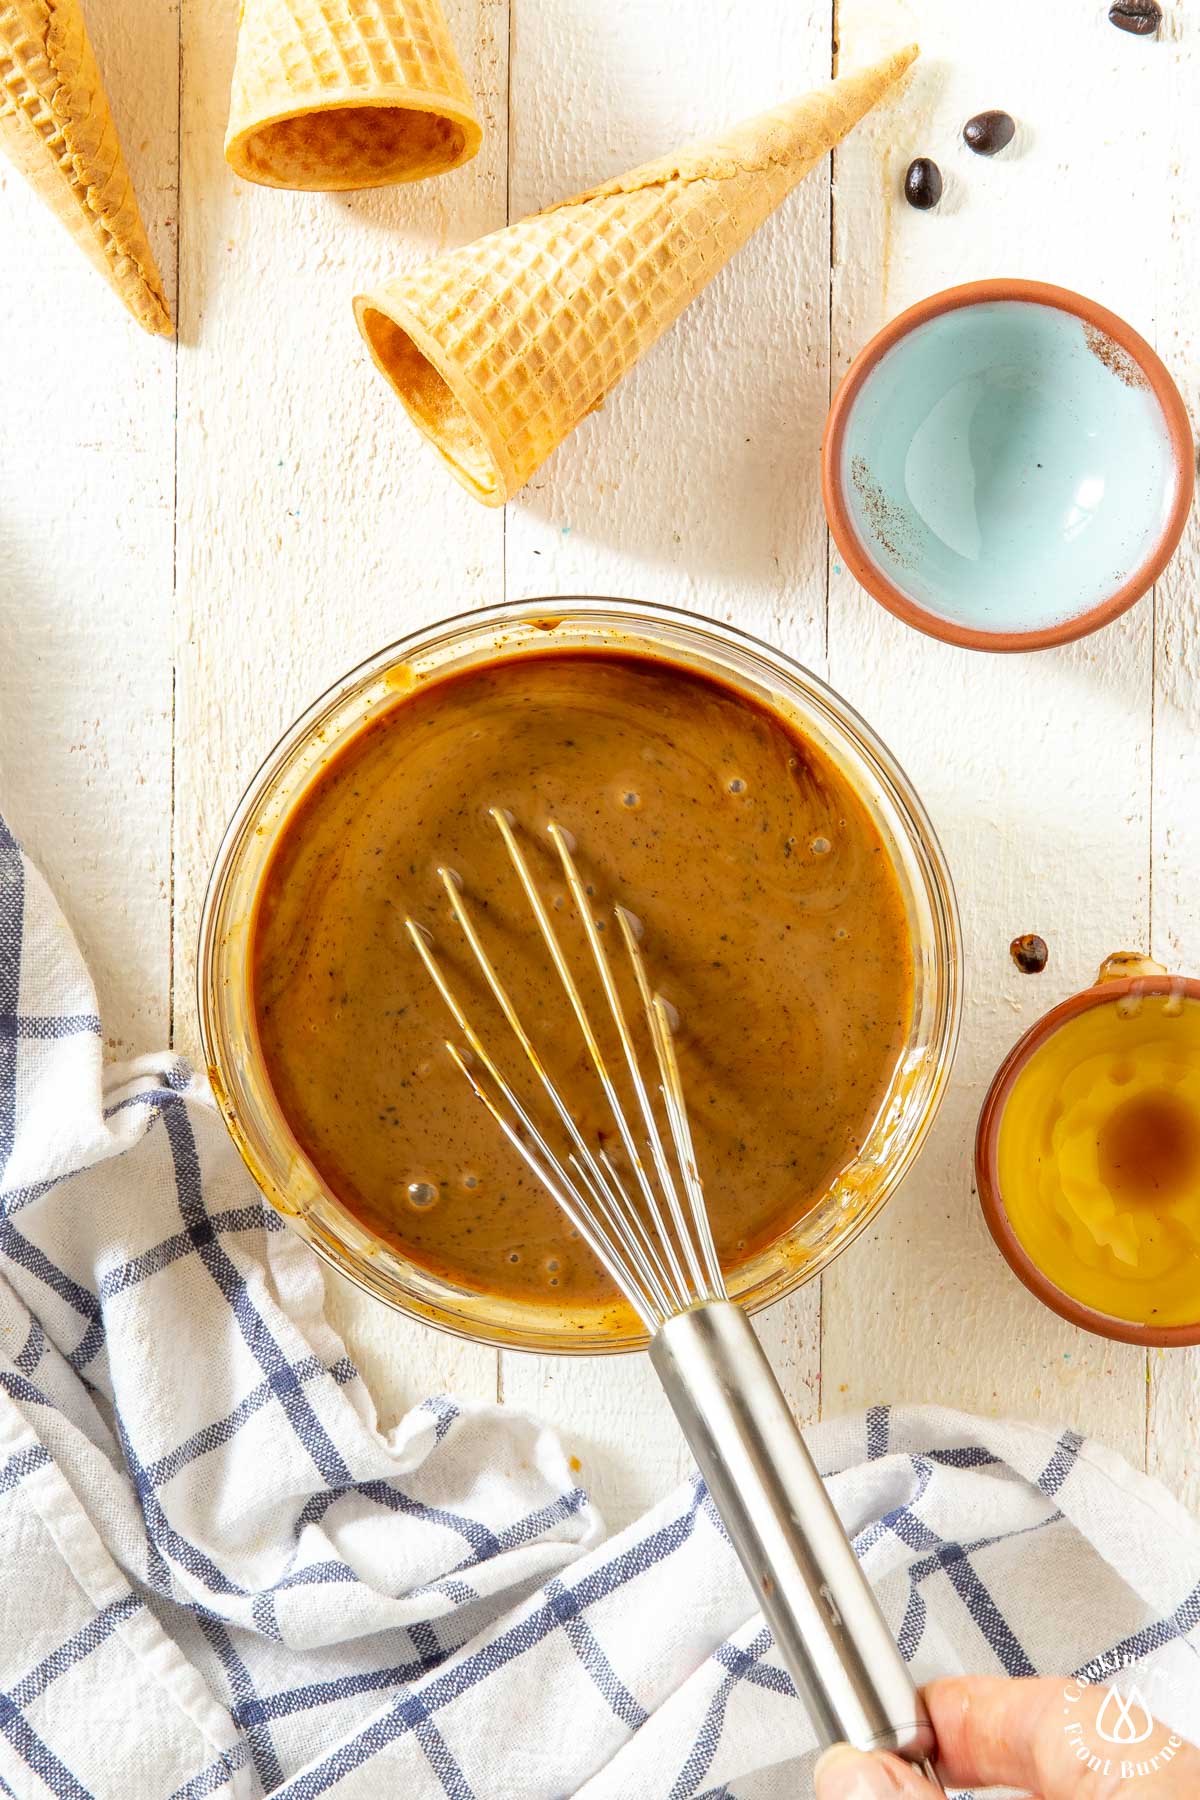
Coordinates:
(816, 1599)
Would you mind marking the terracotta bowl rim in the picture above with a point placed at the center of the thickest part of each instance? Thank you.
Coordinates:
(987, 1178)
(862, 564)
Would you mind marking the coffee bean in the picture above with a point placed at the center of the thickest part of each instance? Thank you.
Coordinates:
(923, 183)
(1141, 17)
(1029, 952)
(988, 132)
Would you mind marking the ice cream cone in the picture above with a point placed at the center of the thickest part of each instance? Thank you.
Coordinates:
(499, 349)
(56, 126)
(335, 94)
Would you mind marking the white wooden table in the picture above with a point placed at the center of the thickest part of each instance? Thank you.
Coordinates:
(195, 539)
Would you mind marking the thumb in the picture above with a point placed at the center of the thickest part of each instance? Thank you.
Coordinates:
(846, 1774)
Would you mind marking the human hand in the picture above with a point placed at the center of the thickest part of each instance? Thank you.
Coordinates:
(1036, 1735)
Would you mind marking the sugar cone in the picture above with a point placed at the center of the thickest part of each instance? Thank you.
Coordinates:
(56, 126)
(499, 349)
(335, 94)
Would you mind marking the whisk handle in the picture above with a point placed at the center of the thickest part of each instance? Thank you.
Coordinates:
(818, 1603)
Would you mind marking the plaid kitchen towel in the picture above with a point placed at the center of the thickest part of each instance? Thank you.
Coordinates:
(218, 1577)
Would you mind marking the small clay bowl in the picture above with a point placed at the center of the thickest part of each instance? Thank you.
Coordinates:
(1121, 974)
(1007, 466)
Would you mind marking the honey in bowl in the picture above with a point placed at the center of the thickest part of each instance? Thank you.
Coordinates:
(773, 921)
(1098, 1156)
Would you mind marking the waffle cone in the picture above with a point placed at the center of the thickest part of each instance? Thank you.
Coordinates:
(499, 349)
(56, 126)
(335, 94)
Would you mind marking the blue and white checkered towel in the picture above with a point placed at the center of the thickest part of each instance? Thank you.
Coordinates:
(218, 1577)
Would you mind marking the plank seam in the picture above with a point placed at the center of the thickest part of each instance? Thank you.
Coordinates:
(504, 514)
(833, 60)
(175, 518)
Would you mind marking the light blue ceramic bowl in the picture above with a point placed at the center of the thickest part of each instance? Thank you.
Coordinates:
(1007, 465)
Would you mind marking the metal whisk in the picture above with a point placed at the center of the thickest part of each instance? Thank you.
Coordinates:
(648, 1226)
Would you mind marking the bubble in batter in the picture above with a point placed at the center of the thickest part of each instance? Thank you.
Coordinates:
(421, 1195)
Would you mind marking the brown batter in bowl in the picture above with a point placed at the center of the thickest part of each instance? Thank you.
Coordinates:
(774, 924)
(795, 910)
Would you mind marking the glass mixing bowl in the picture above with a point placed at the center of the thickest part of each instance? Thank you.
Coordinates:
(235, 1063)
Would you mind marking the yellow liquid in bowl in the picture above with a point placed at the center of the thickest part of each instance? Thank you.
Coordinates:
(1098, 1158)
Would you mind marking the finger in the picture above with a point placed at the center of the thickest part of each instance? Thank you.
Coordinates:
(846, 1774)
(1044, 1734)
(987, 1727)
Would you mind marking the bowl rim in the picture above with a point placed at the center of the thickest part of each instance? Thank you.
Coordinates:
(604, 612)
(867, 571)
(987, 1173)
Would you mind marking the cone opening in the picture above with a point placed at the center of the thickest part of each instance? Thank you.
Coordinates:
(353, 146)
(432, 403)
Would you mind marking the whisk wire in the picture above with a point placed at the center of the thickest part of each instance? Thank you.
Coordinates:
(570, 988)
(625, 1222)
(548, 1173)
(633, 1220)
(671, 1088)
(662, 1268)
(595, 1180)
(612, 996)
(681, 1131)
(462, 915)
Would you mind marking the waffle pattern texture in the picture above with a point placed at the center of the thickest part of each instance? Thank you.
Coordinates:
(336, 94)
(499, 349)
(56, 126)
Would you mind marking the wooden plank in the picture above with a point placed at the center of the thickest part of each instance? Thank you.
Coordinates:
(1036, 768)
(87, 468)
(1175, 911)
(314, 523)
(695, 485)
